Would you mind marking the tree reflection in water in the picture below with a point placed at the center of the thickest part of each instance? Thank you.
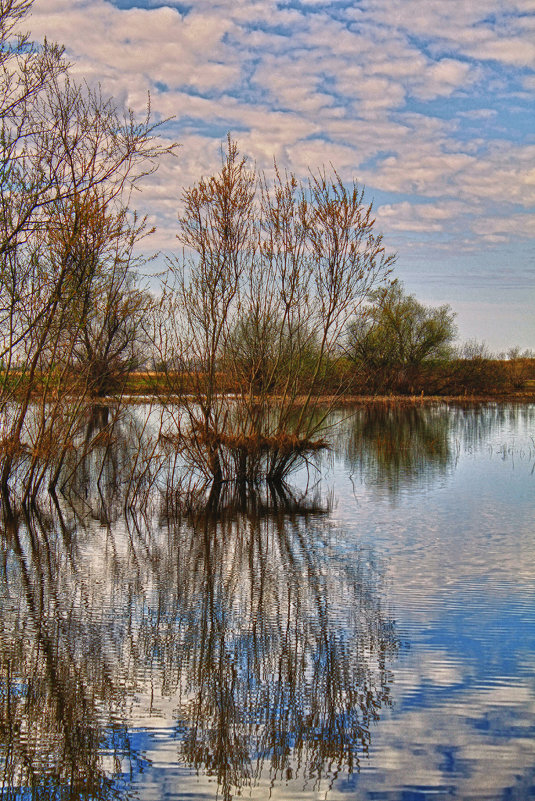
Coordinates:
(54, 675)
(254, 634)
(272, 649)
(391, 445)
(280, 657)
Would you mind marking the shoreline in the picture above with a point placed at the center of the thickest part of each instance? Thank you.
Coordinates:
(339, 401)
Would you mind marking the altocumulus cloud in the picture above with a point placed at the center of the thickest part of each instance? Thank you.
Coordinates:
(429, 104)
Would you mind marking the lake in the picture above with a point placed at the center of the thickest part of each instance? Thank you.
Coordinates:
(367, 632)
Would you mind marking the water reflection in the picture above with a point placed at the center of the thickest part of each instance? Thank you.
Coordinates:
(292, 665)
(259, 639)
(55, 677)
(391, 445)
(271, 651)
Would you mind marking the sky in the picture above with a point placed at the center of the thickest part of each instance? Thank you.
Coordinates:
(429, 104)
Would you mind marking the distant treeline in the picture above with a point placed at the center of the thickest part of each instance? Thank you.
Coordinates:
(492, 378)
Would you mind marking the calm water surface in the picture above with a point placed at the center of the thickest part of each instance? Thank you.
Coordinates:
(370, 634)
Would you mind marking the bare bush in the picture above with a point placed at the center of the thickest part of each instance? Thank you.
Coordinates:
(269, 275)
(68, 159)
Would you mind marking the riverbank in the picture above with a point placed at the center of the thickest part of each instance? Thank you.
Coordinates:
(159, 384)
(140, 386)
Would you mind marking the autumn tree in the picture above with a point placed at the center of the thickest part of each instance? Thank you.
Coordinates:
(98, 324)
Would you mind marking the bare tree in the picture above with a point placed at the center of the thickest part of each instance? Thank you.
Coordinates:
(217, 228)
(69, 159)
(269, 276)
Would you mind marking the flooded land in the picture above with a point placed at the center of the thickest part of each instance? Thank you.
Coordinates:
(363, 629)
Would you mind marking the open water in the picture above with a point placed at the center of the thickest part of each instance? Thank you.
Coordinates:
(367, 634)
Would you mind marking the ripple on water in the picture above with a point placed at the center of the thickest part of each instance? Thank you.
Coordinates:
(379, 647)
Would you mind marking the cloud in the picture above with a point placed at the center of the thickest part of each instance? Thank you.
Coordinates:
(478, 114)
(507, 50)
(423, 170)
(504, 228)
(444, 77)
(419, 101)
(419, 217)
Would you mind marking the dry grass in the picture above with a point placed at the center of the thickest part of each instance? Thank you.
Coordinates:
(154, 383)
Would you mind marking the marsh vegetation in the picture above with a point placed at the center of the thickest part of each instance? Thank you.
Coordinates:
(269, 275)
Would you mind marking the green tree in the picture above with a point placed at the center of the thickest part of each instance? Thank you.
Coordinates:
(260, 353)
(396, 334)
